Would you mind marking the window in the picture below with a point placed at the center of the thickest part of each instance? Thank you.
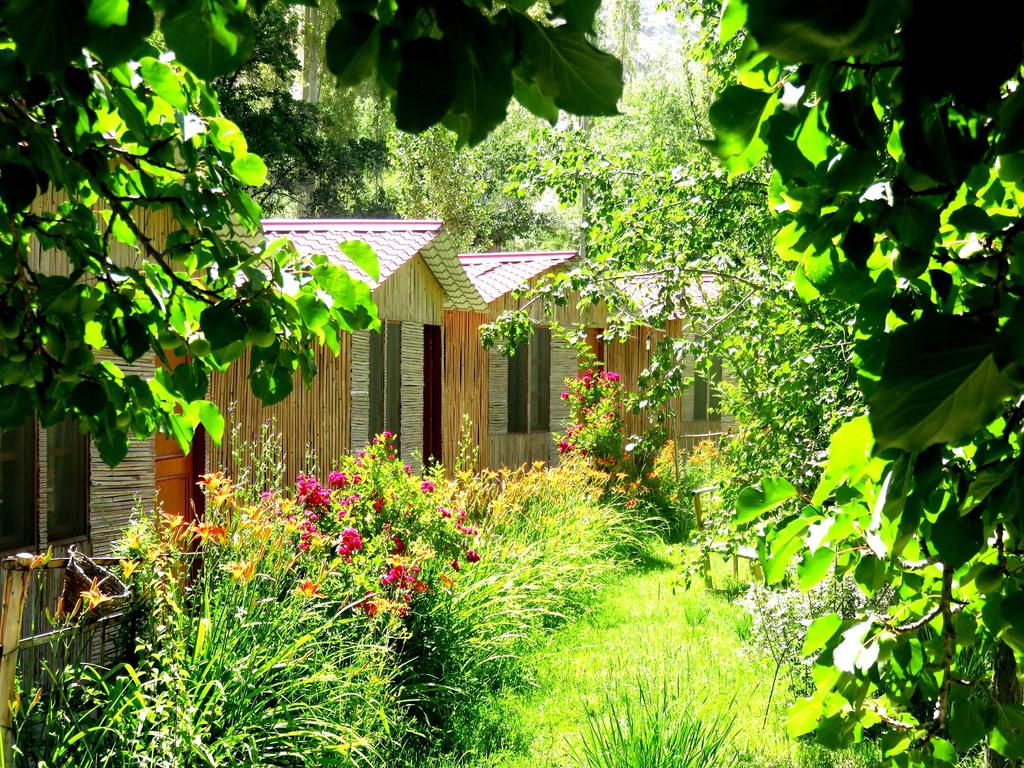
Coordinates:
(529, 385)
(595, 340)
(540, 380)
(518, 389)
(393, 380)
(707, 400)
(17, 487)
(67, 465)
(376, 385)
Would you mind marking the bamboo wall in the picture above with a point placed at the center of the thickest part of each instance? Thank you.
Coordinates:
(564, 365)
(332, 418)
(309, 420)
(412, 395)
(466, 366)
(113, 493)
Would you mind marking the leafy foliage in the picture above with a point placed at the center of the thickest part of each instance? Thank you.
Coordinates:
(895, 186)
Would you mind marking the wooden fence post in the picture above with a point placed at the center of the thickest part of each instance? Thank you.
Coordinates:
(16, 582)
(698, 515)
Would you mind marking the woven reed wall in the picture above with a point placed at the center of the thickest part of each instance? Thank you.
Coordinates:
(411, 294)
(412, 395)
(564, 364)
(113, 493)
(360, 390)
(466, 365)
(314, 419)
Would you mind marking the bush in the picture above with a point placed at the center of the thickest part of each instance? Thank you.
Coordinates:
(358, 619)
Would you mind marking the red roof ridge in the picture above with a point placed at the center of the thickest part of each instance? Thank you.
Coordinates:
(316, 224)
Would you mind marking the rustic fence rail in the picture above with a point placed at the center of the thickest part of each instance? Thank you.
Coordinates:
(31, 636)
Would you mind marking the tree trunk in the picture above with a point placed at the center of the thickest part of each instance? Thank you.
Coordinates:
(1005, 690)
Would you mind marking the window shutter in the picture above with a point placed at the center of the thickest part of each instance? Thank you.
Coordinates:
(67, 472)
(376, 385)
(540, 380)
(518, 384)
(700, 397)
(18, 487)
(393, 380)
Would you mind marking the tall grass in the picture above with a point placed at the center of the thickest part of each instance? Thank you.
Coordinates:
(655, 725)
(549, 545)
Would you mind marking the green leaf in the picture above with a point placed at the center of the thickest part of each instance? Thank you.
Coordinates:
(957, 538)
(119, 43)
(211, 39)
(221, 325)
(16, 406)
(940, 383)
(362, 256)
(849, 454)
(821, 630)
(966, 725)
(164, 81)
(819, 32)
(108, 13)
(351, 48)
(736, 116)
(89, 397)
(569, 70)
(212, 420)
(426, 84)
(578, 13)
(813, 568)
(48, 33)
(483, 87)
(112, 446)
(768, 493)
(250, 169)
(734, 16)
(531, 97)
(1007, 734)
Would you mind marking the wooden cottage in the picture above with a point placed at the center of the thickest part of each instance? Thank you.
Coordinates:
(389, 379)
(512, 405)
(54, 488)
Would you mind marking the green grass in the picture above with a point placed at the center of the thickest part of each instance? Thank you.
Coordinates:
(646, 626)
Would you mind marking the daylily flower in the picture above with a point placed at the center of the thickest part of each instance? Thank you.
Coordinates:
(309, 588)
(92, 598)
(210, 531)
(241, 571)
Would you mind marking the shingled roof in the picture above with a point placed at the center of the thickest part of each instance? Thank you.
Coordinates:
(395, 242)
(495, 274)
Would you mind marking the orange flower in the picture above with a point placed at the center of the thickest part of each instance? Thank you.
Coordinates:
(38, 561)
(210, 531)
(241, 571)
(447, 580)
(92, 597)
(128, 567)
(308, 588)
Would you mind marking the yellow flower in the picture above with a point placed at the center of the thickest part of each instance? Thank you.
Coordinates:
(308, 588)
(38, 561)
(92, 597)
(210, 531)
(447, 580)
(133, 539)
(241, 571)
(128, 567)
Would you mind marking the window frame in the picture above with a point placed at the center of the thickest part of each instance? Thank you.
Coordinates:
(26, 536)
(78, 529)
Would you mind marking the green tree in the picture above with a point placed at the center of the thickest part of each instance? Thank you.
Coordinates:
(313, 168)
(122, 132)
(895, 136)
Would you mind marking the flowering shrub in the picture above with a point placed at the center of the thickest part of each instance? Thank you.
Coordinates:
(595, 406)
(380, 531)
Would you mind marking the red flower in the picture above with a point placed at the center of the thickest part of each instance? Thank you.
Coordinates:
(473, 556)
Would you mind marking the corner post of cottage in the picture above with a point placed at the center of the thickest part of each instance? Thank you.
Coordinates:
(16, 583)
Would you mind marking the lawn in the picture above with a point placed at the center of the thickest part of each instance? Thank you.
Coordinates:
(648, 627)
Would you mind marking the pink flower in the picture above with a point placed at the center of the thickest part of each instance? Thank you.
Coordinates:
(427, 487)
(350, 542)
(455, 565)
(563, 446)
(473, 556)
(386, 435)
(337, 479)
(444, 511)
(378, 504)
(564, 395)
(407, 469)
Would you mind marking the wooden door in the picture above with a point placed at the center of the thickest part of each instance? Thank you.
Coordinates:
(432, 376)
(176, 473)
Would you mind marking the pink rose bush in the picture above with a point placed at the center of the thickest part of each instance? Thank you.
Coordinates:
(595, 406)
(378, 529)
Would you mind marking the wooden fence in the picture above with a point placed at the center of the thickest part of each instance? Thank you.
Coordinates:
(33, 638)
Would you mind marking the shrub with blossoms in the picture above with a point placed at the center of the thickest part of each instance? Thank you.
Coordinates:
(381, 530)
(595, 402)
